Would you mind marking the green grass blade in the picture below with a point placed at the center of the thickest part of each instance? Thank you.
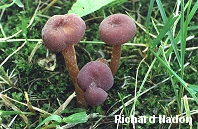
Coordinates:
(194, 88)
(182, 38)
(190, 91)
(121, 98)
(149, 14)
(190, 16)
(142, 85)
(183, 34)
(85, 7)
(165, 29)
(165, 20)
(76, 118)
(6, 5)
(7, 113)
(192, 12)
(163, 14)
(19, 3)
(193, 27)
(24, 25)
(56, 118)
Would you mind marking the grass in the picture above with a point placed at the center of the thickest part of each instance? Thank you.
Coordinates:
(157, 75)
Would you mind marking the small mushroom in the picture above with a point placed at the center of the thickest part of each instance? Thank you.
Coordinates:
(116, 30)
(95, 78)
(61, 33)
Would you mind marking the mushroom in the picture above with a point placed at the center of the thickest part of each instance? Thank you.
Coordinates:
(61, 33)
(95, 78)
(116, 30)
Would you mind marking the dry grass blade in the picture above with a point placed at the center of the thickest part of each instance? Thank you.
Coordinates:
(7, 102)
(5, 78)
(64, 105)
(13, 53)
(49, 5)
(28, 103)
(34, 51)
(35, 108)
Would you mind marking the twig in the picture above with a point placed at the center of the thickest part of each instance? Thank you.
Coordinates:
(49, 5)
(64, 105)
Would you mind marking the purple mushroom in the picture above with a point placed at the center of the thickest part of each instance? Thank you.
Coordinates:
(95, 78)
(116, 30)
(61, 33)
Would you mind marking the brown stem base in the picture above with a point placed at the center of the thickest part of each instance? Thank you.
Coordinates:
(115, 58)
(72, 67)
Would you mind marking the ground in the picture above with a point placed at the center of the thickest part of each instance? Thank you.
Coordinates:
(157, 73)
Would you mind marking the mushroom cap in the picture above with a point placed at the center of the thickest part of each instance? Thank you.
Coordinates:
(62, 30)
(117, 29)
(95, 72)
(95, 96)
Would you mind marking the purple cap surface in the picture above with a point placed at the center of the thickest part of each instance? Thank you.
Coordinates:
(117, 29)
(62, 30)
(95, 96)
(96, 72)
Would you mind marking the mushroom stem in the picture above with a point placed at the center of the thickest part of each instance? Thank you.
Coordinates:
(115, 58)
(72, 67)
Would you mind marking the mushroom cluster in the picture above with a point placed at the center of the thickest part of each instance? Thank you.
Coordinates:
(62, 32)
